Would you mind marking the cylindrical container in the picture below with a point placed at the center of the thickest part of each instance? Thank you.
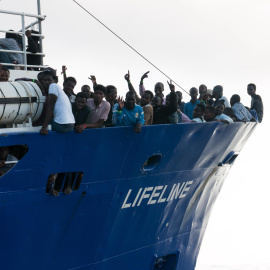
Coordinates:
(19, 101)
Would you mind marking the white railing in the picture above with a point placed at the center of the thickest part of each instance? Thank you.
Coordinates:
(22, 32)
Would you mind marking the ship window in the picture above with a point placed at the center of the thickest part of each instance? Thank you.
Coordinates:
(10, 156)
(65, 182)
(152, 162)
(232, 159)
(168, 262)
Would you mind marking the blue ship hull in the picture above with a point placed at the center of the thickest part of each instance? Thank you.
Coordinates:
(125, 214)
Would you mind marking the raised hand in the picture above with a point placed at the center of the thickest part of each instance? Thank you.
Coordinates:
(127, 77)
(64, 68)
(172, 87)
(121, 103)
(93, 79)
(145, 75)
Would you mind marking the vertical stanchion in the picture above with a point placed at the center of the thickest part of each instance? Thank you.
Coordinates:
(40, 30)
(24, 43)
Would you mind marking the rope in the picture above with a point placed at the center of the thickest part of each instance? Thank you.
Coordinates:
(130, 46)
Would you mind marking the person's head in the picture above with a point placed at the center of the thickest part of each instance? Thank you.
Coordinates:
(209, 113)
(69, 85)
(180, 96)
(167, 101)
(234, 99)
(4, 75)
(202, 90)
(49, 76)
(220, 109)
(193, 92)
(86, 90)
(229, 112)
(159, 88)
(251, 89)
(130, 100)
(40, 76)
(198, 111)
(156, 101)
(4, 150)
(111, 93)
(80, 101)
(217, 92)
(147, 97)
(99, 93)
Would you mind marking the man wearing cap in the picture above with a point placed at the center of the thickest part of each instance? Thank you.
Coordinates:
(59, 112)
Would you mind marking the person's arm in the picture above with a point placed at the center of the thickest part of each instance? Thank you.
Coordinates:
(64, 68)
(141, 86)
(185, 118)
(32, 45)
(117, 112)
(148, 115)
(221, 120)
(94, 80)
(258, 107)
(87, 120)
(173, 99)
(98, 124)
(131, 88)
(140, 121)
(49, 114)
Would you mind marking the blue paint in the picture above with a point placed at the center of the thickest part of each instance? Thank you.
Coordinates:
(88, 229)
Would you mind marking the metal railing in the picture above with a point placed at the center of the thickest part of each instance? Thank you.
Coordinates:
(22, 33)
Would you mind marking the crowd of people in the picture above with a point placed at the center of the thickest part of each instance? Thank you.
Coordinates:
(64, 110)
(102, 107)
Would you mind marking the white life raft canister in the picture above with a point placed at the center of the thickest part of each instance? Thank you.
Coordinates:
(19, 101)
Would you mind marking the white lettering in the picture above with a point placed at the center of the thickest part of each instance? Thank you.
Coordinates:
(171, 192)
(137, 197)
(176, 192)
(125, 204)
(161, 200)
(154, 194)
(182, 195)
(144, 195)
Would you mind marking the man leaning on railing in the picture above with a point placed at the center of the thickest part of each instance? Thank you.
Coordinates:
(10, 43)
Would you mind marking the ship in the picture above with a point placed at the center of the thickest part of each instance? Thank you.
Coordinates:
(143, 201)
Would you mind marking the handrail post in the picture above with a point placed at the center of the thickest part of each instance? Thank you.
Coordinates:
(23, 40)
(40, 30)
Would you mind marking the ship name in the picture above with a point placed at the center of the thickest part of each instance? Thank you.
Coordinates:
(157, 194)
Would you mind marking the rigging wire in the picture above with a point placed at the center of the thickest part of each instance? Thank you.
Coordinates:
(130, 46)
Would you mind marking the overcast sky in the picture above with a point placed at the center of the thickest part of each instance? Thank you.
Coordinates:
(205, 41)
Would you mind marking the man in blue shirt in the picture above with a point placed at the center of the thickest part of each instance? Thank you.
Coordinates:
(189, 106)
(128, 113)
(241, 113)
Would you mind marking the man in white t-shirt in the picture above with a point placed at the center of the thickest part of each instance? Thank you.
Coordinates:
(59, 112)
